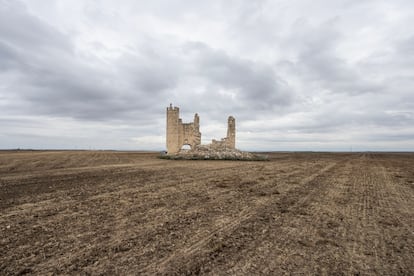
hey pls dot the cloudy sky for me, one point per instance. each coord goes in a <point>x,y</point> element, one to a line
<point>296,74</point>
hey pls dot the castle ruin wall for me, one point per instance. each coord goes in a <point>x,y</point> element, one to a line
<point>180,134</point>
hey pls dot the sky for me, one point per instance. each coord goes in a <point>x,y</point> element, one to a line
<point>297,75</point>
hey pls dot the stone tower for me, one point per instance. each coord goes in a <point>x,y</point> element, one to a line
<point>173,114</point>
<point>179,133</point>
<point>231,132</point>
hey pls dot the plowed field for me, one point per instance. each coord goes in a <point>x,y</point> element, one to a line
<point>103,212</point>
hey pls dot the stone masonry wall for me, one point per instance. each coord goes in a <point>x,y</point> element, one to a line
<point>180,134</point>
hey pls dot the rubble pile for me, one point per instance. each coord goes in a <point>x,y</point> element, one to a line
<point>211,152</point>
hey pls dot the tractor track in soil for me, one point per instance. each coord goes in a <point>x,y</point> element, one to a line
<point>224,229</point>
<point>90,212</point>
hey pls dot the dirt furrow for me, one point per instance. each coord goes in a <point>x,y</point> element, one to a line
<point>199,245</point>
<point>58,207</point>
<point>274,248</point>
<point>124,213</point>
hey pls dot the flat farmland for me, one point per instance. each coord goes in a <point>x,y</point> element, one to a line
<point>107,212</point>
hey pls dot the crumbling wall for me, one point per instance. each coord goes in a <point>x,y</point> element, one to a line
<point>179,133</point>
<point>229,141</point>
<point>231,132</point>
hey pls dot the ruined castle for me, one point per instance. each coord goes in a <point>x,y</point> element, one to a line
<point>180,134</point>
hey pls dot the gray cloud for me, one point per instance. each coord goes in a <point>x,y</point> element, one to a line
<point>303,74</point>
<point>237,83</point>
<point>52,79</point>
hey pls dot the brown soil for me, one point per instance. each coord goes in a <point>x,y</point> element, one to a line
<point>102,212</point>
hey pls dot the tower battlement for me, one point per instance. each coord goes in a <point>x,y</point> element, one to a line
<point>172,108</point>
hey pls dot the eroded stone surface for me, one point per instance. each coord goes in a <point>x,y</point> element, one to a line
<point>180,134</point>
